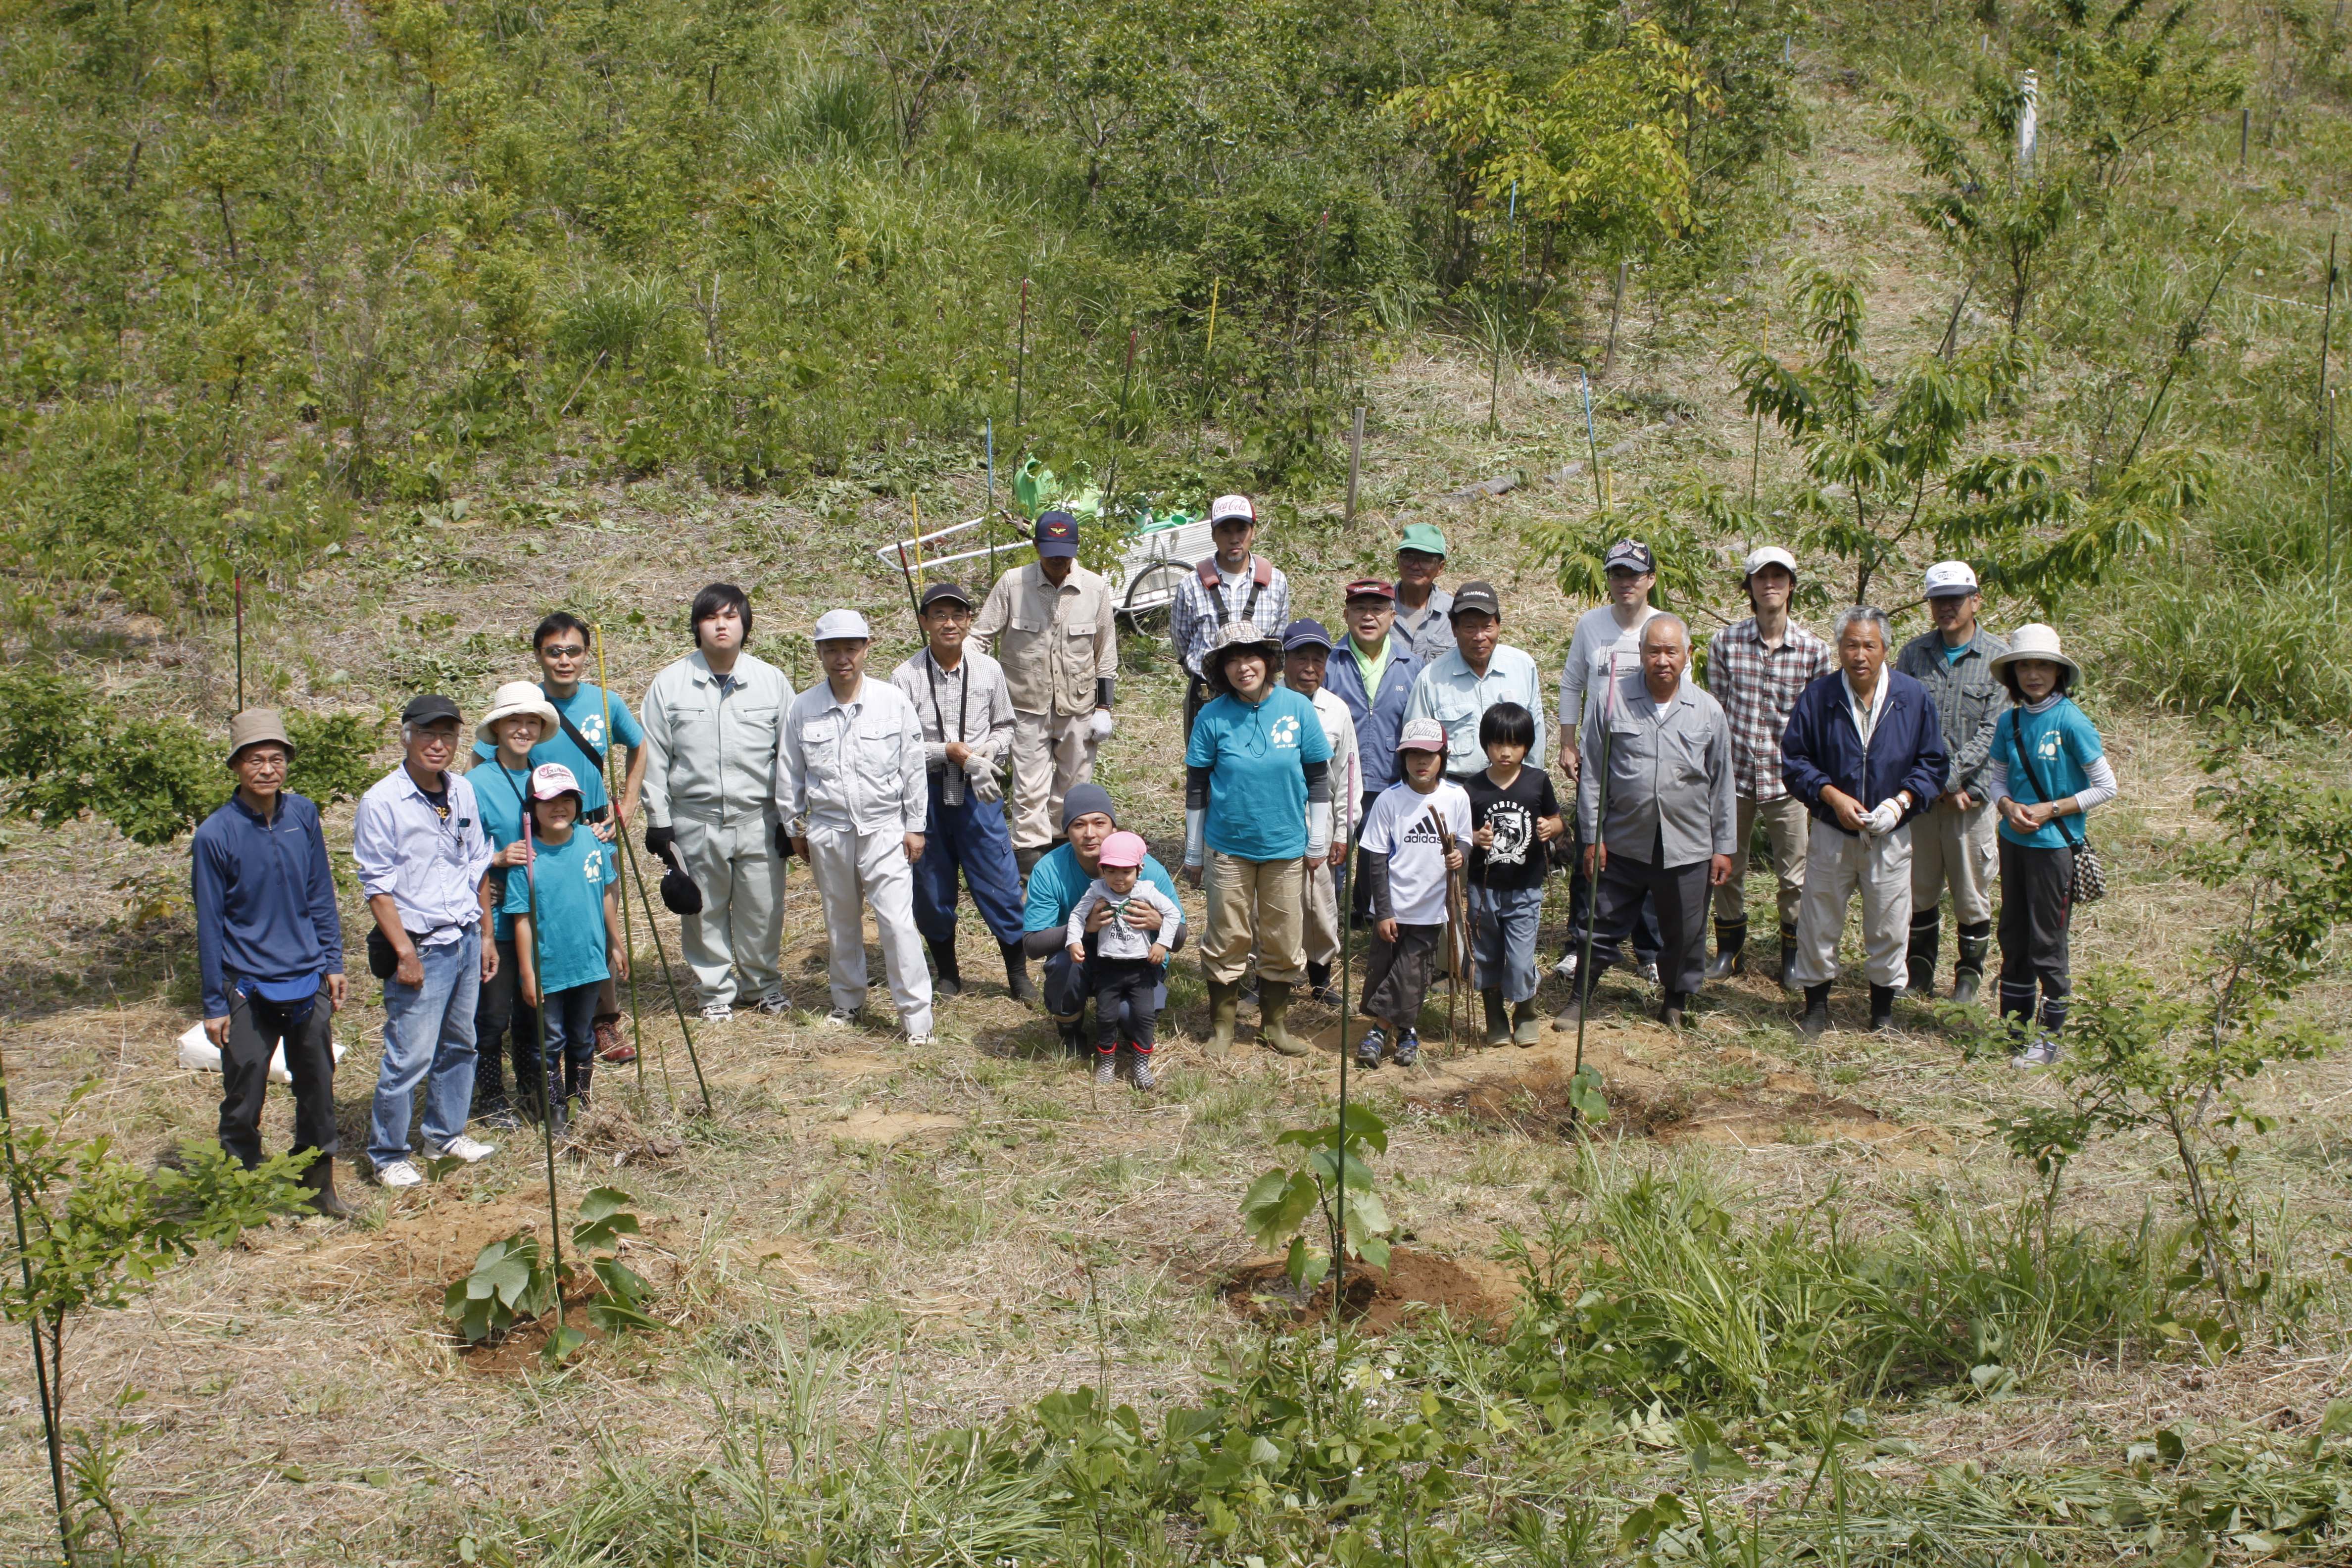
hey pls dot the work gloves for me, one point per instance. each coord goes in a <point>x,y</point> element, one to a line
<point>1100,724</point>
<point>659,839</point>
<point>1884,819</point>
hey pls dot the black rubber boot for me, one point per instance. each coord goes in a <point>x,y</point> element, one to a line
<point>318,1175</point>
<point>1016,972</point>
<point>1730,939</point>
<point>575,1084</point>
<point>1318,984</point>
<point>949,980</point>
<point>1816,1020</point>
<point>1968,978</point>
<point>1788,958</point>
<point>1670,1011</point>
<point>1882,1008</point>
<point>1926,938</point>
<point>1498,1019</point>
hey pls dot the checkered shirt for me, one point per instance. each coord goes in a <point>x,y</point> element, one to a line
<point>1194,620</point>
<point>1757,687</point>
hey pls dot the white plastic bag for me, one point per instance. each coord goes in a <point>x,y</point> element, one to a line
<point>198,1054</point>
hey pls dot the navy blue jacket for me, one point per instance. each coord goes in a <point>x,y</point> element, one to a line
<point>1821,748</point>
<point>1379,718</point>
<point>264,900</point>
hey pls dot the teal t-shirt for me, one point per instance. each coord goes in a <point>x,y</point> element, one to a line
<point>1057,882</point>
<point>2064,743</point>
<point>501,808</point>
<point>585,709</point>
<point>1255,754</point>
<point>571,878</point>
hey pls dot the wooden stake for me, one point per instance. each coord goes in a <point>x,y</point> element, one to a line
<point>2327,326</point>
<point>613,800</point>
<point>238,582</point>
<point>1616,307</point>
<point>32,1319</point>
<point>1020,360</point>
<point>1355,461</point>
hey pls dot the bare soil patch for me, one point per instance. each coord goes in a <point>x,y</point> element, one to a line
<point>1378,1300</point>
<point>889,1127</point>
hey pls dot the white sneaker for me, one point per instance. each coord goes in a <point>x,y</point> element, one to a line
<point>398,1175</point>
<point>716,1012</point>
<point>844,1016</point>
<point>1566,967</point>
<point>922,1039</point>
<point>460,1148</point>
<point>775,1006</point>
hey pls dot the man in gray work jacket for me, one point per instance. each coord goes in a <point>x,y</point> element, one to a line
<point>1953,842</point>
<point>711,723</point>
<point>1669,835</point>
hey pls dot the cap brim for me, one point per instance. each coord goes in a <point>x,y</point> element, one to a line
<point>1056,548</point>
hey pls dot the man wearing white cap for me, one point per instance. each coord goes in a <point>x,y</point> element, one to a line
<point>852,785</point>
<point>1232,585</point>
<point>1954,843</point>
<point>712,725</point>
<point>1054,627</point>
<point>1757,668</point>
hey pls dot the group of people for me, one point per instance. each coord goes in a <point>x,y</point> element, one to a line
<point>1412,735</point>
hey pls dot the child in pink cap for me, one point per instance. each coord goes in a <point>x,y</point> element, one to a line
<point>1126,962</point>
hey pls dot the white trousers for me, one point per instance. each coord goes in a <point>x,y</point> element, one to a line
<point>1050,754</point>
<point>1960,849</point>
<point>1837,865</point>
<point>856,872</point>
<point>741,923</point>
<point>1322,915</point>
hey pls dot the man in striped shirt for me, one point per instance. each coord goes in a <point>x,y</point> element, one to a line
<point>1757,668</point>
<point>1231,585</point>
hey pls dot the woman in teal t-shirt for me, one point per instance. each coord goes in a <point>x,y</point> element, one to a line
<point>1258,807</point>
<point>2048,766</point>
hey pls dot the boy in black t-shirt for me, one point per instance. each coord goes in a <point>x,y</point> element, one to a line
<point>1515,816</point>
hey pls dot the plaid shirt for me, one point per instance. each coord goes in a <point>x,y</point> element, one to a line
<point>1757,687</point>
<point>1194,616</point>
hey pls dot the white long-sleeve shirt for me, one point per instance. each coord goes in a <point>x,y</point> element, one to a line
<point>855,765</point>
<point>1346,764</point>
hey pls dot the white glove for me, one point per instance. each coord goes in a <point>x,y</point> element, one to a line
<point>981,778</point>
<point>1886,818</point>
<point>1099,725</point>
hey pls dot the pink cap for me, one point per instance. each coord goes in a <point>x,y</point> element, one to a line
<point>551,779</point>
<point>1123,850</point>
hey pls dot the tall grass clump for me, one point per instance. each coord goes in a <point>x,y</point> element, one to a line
<point>2274,649</point>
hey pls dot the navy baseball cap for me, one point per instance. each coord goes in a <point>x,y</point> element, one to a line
<point>1304,634</point>
<point>1057,534</point>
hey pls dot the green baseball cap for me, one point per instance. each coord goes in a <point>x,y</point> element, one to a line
<point>1425,537</point>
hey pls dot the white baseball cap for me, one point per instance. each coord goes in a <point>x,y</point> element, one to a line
<point>1765,555</point>
<point>551,779</point>
<point>1955,579</point>
<point>1226,506</point>
<point>841,626</point>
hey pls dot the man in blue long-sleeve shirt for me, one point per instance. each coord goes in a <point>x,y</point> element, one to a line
<point>270,947</point>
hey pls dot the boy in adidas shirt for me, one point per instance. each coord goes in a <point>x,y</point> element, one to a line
<point>1406,863</point>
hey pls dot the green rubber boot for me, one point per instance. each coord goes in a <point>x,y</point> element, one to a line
<point>1273,1012</point>
<point>1224,1001</point>
<point>1498,1019</point>
<point>1527,1029</point>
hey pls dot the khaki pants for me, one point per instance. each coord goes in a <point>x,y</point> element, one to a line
<point>741,923</point>
<point>1957,847</point>
<point>1050,754</point>
<point>856,872</point>
<point>1255,904</point>
<point>1322,915</point>
<point>1788,825</point>
<point>1836,866</point>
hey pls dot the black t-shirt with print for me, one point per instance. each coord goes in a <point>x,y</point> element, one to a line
<point>1518,858</point>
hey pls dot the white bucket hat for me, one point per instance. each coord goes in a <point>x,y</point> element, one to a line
<point>518,697</point>
<point>2033,640</point>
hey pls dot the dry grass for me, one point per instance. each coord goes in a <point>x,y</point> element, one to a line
<point>945,1213</point>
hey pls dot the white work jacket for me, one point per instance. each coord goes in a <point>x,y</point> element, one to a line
<point>857,765</point>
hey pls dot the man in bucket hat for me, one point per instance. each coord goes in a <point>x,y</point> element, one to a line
<point>1757,668</point>
<point>1054,626</point>
<point>1231,585</point>
<point>269,946</point>
<point>1952,842</point>
<point>424,858</point>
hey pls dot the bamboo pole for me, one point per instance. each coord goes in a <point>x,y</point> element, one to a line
<point>549,1074</point>
<point>613,800</point>
<point>661,951</point>
<point>1591,443</point>
<point>1020,360</point>
<point>33,1322</point>
<point>1355,461</point>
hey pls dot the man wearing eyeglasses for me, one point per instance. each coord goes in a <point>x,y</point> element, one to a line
<point>579,742</point>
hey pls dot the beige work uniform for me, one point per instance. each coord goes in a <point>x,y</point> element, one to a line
<point>1055,644</point>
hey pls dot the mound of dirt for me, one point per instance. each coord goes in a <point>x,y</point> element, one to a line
<point>1378,1300</point>
<point>1675,1088</point>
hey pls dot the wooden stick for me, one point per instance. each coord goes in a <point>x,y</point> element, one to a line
<point>1355,461</point>
<point>613,801</point>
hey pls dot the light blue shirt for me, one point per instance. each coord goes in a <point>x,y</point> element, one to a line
<point>431,868</point>
<point>1448,692</point>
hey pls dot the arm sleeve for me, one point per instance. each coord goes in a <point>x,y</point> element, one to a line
<point>1968,762</point>
<point>654,791</point>
<point>1723,800</point>
<point>373,848</point>
<point>1105,691</point>
<point>1318,781</point>
<point>324,916</point>
<point>1587,780</point>
<point>914,773</point>
<point>1000,724</point>
<point>208,891</point>
<point>480,852</point>
<point>2102,786</point>
<point>1417,703</point>
<point>790,786</point>
<point>1798,771</point>
<point>626,729</point>
<point>1376,886</point>
<point>1196,787</point>
<point>1926,779</point>
<point>1171,926</point>
<point>995,610</point>
<point>1074,930</point>
<point>1180,630</point>
<point>1536,710</point>
<point>1996,782</point>
<point>1106,646</point>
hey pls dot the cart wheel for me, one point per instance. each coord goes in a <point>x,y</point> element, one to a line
<point>1149,593</point>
